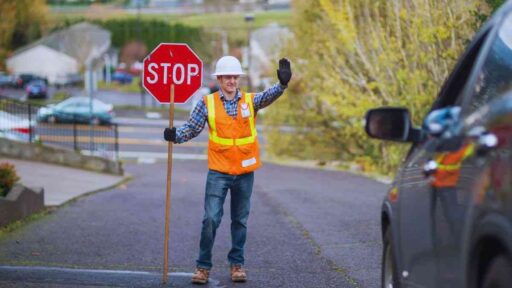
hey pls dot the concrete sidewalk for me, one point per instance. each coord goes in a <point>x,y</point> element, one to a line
<point>61,183</point>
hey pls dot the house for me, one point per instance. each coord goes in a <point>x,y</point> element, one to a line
<point>265,47</point>
<point>64,52</point>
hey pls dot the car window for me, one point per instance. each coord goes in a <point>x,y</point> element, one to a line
<point>495,77</point>
<point>451,92</point>
<point>69,101</point>
<point>100,105</point>
<point>36,82</point>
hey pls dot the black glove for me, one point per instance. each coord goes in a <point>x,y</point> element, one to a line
<point>284,73</point>
<point>170,134</point>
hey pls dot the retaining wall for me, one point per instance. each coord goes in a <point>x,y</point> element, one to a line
<point>60,156</point>
<point>19,203</point>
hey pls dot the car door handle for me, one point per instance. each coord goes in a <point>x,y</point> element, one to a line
<point>485,140</point>
<point>486,143</point>
<point>430,168</point>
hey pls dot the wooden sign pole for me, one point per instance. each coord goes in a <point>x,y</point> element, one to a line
<point>168,195</point>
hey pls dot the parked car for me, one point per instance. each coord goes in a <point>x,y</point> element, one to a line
<point>15,128</point>
<point>36,89</point>
<point>20,81</point>
<point>6,80</point>
<point>447,218</point>
<point>122,77</point>
<point>77,109</point>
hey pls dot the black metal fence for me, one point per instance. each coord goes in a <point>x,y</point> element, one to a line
<point>18,121</point>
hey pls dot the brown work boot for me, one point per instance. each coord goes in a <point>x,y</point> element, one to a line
<point>200,276</point>
<point>238,273</point>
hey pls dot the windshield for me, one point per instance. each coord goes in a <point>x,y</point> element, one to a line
<point>83,101</point>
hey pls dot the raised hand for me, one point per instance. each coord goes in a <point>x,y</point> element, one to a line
<point>284,73</point>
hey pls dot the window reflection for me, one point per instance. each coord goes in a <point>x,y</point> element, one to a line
<point>496,76</point>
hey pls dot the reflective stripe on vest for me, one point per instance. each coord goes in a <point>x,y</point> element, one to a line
<point>229,141</point>
<point>449,166</point>
<point>467,151</point>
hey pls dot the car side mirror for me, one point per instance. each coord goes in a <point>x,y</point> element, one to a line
<point>391,123</point>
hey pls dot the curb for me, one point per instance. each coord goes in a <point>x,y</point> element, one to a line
<point>48,210</point>
<point>127,178</point>
<point>304,164</point>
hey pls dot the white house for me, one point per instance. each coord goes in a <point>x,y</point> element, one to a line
<point>265,47</point>
<point>64,52</point>
<point>43,61</point>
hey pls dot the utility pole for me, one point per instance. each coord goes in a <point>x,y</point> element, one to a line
<point>89,87</point>
<point>142,92</point>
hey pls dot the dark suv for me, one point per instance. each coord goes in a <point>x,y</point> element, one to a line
<point>447,218</point>
<point>23,79</point>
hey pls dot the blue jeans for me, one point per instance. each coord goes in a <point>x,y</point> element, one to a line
<point>217,185</point>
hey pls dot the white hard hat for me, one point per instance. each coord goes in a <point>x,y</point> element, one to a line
<point>228,65</point>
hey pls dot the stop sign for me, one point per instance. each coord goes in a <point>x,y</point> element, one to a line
<point>172,64</point>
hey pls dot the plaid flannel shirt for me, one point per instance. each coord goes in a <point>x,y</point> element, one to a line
<point>199,115</point>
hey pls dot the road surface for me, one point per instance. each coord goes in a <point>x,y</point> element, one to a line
<point>308,228</point>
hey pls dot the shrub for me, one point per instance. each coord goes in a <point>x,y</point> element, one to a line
<point>353,55</point>
<point>8,177</point>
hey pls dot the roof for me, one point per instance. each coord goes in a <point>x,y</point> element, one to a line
<point>77,41</point>
<point>271,38</point>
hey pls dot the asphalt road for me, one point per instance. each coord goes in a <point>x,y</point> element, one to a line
<point>308,228</point>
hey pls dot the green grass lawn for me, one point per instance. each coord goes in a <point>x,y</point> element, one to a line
<point>230,21</point>
<point>233,23</point>
<point>212,21</point>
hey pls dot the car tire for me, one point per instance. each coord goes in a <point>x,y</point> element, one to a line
<point>389,271</point>
<point>52,119</point>
<point>499,273</point>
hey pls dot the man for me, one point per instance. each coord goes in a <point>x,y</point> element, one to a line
<point>233,155</point>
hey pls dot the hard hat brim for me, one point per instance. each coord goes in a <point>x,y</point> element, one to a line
<point>228,73</point>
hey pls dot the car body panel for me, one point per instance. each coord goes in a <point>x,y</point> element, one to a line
<point>36,89</point>
<point>6,80</point>
<point>441,229</point>
<point>76,109</point>
<point>21,80</point>
<point>122,77</point>
<point>14,127</point>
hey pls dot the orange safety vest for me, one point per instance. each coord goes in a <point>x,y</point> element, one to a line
<point>233,143</point>
<point>449,165</point>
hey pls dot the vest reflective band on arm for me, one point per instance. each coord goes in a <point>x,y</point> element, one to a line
<point>457,162</point>
<point>229,141</point>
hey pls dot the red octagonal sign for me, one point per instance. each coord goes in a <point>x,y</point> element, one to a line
<point>172,64</point>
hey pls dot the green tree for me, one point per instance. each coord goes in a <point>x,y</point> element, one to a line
<point>152,32</point>
<point>352,55</point>
<point>494,4</point>
<point>22,22</point>
<point>482,14</point>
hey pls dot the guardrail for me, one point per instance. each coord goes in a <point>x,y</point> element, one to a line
<point>18,122</point>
